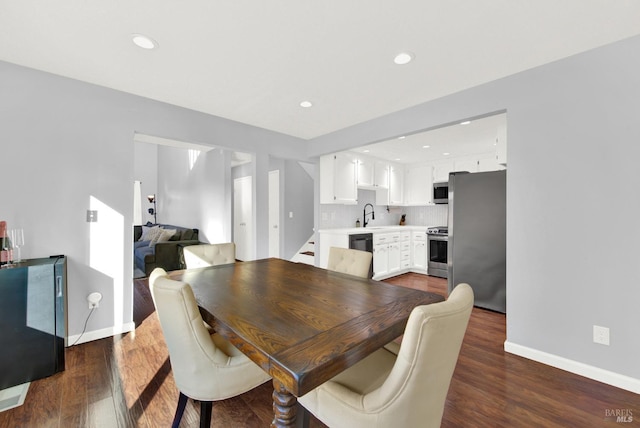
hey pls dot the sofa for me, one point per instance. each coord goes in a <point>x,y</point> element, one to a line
<point>160,245</point>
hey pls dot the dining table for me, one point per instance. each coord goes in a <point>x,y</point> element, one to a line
<point>300,323</point>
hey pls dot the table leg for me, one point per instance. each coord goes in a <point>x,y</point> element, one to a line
<point>284,406</point>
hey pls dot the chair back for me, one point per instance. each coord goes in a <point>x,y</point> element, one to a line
<point>196,361</point>
<point>350,261</point>
<point>203,255</point>
<point>419,380</point>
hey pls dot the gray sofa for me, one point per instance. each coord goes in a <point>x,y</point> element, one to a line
<point>164,254</point>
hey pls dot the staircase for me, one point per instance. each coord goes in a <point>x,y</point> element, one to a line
<point>306,253</point>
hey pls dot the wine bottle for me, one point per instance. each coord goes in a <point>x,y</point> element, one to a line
<point>5,245</point>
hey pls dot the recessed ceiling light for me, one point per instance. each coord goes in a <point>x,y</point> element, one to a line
<point>365,151</point>
<point>306,104</point>
<point>403,58</point>
<point>446,153</point>
<point>402,137</point>
<point>397,159</point>
<point>425,147</point>
<point>466,122</point>
<point>143,41</point>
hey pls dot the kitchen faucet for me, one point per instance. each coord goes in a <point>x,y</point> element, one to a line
<point>364,214</point>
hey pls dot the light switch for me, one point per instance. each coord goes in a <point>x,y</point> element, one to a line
<point>290,214</point>
<point>92,216</point>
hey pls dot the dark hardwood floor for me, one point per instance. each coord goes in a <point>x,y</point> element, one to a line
<point>126,381</point>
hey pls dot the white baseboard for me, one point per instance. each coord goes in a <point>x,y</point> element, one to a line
<point>88,336</point>
<point>595,373</point>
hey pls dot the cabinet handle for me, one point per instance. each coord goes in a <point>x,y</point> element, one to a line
<point>59,286</point>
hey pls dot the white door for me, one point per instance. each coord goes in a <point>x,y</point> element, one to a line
<point>243,218</point>
<point>274,213</point>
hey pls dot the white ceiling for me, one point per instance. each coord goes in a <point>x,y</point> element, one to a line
<point>255,61</point>
<point>458,140</point>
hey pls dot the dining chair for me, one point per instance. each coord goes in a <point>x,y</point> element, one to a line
<point>403,386</point>
<point>203,255</point>
<point>205,366</point>
<point>350,261</point>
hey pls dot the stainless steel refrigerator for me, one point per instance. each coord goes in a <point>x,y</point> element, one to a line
<point>477,236</point>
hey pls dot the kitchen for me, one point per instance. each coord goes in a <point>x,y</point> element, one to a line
<point>405,181</point>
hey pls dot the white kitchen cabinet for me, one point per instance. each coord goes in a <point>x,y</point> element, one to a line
<point>381,175</point>
<point>394,257</point>
<point>489,164</point>
<point>419,185</point>
<point>405,252</point>
<point>366,167</point>
<point>465,164</point>
<point>380,260</point>
<point>391,254</point>
<point>441,171</point>
<point>419,251</point>
<point>396,184</point>
<point>381,254</point>
<point>395,194</point>
<point>338,179</point>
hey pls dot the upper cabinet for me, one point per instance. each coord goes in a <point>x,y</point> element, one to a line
<point>381,175</point>
<point>366,167</point>
<point>394,194</point>
<point>441,170</point>
<point>338,179</point>
<point>418,189</point>
<point>372,174</point>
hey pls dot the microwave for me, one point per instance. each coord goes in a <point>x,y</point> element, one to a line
<point>441,193</point>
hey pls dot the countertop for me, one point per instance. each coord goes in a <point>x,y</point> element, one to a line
<point>374,229</point>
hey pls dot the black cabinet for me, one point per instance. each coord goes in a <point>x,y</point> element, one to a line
<point>32,320</point>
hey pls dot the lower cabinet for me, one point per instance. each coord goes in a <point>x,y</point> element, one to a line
<point>394,251</point>
<point>419,251</point>
<point>391,254</point>
<point>380,260</point>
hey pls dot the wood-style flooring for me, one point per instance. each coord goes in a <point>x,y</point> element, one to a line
<point>126,381</point>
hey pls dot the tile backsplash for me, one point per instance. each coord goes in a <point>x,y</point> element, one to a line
<point>335,216</point>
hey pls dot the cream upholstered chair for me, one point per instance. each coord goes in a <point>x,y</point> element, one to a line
<point>205,366</point>
<point>203,255</point>
<point>352,262</point>
<point>405,387</point>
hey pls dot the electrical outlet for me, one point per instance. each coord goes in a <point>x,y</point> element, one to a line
<point>601,335</point>
<point>94,300</point>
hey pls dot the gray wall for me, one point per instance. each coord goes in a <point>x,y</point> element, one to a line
<point>573,199</point>
<point>194,190</point>
<point>298,199</point>
<point>71,148</point>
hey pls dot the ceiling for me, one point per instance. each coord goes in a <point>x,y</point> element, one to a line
<point>255,61</point>
<point>475,137</point>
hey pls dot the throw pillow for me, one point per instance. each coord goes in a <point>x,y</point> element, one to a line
<point>165,235</point>
<point>148,232</point>
<point>153,235</point>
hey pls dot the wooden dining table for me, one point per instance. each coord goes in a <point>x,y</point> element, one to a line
<point>301,324</point>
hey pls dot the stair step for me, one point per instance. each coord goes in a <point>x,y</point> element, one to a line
<point>308,253</point>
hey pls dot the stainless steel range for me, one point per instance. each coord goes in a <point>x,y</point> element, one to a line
<point>437,238</point>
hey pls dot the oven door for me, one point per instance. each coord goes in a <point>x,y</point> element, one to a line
<point>437,264</point>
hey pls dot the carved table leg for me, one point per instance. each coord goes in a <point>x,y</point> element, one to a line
<point>284,406</point>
